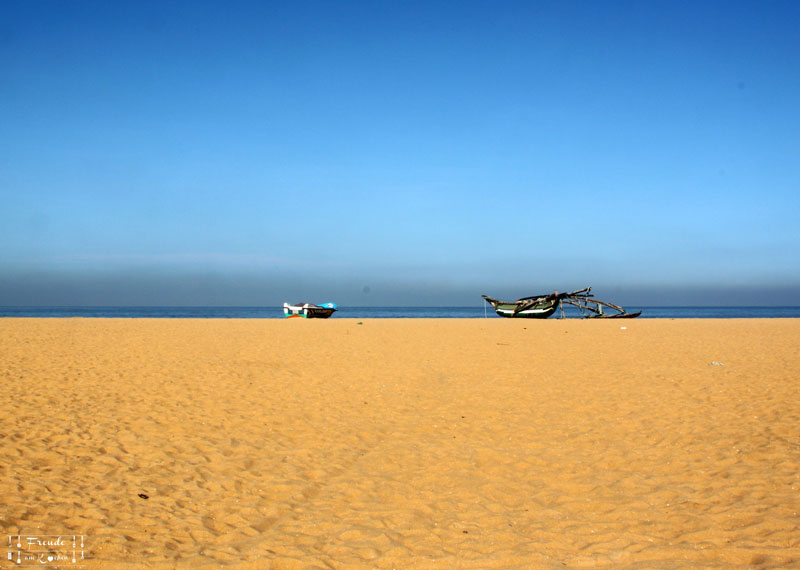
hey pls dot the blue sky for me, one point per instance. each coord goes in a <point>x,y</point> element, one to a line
<point>398,153</point>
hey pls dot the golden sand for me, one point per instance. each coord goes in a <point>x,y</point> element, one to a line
<point>441,444</point>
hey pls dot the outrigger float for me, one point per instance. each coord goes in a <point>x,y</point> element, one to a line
<point>542,306</point>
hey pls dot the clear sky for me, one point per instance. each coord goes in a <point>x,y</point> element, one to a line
<point>398,153</point>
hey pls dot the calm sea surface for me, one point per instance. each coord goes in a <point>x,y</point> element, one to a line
<point>380,312</point>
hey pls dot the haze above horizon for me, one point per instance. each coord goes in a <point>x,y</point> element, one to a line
<point>387,153</point>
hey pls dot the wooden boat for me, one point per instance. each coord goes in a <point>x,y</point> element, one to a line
<point>542,306</point>
<point>309,310</point>
<point>533,307</point>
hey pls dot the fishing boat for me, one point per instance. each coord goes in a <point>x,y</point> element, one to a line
<point>533,307</point>
<point>309,310</point>
<point>542,306</point>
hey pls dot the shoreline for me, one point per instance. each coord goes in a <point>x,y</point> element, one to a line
<point>473,312</point>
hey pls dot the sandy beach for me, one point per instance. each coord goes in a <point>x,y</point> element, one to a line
<point>409,444</point>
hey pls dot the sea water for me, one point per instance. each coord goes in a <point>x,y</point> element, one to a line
<point>475,312</point>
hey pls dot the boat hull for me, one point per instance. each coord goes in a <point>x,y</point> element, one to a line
<point>307,311</point>
<point>524,310</point>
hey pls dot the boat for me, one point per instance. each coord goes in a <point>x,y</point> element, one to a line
<point>533,307</point>
<point>309,310</point>
<point>543,306</point>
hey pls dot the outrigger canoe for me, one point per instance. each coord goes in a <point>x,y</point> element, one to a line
<point>542,306</point>
<point>533,307</point>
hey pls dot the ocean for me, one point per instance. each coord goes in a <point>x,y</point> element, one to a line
<point>276,312</point>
